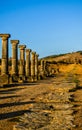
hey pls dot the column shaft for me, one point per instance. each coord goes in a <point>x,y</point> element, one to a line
<point>42,65</point>
<point>22,61</point>
<point>14,57</point>
<point>42,69</point>
<point>4,65</point>
<point>36,66</point>
<point>28,62</point>
<point>33,66</point>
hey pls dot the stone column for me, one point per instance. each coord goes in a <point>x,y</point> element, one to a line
<point>14,56</point>
<point>28,64</point>
<point>45,68</point>
<point>22,62</point>
<point>33,66</point>
<point>4,66</point>
<point>42,69</point>
<point>36,67</point>
<point>44,65</point>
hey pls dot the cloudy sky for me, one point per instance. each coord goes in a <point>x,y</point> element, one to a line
<point>45,26</point>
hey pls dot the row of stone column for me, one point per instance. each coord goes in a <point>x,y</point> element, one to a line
<point>27,68</point>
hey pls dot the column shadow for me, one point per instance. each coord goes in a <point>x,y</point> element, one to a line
<point>6,97</point>
<point>9,91</point>
<point>13,114</point>
<point>15,104</point>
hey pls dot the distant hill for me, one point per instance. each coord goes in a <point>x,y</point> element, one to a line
<point>74,57</point>
<point>69,63</point>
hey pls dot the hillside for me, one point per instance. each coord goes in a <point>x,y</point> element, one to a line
<point>64,63</point>
<point>73,57</point>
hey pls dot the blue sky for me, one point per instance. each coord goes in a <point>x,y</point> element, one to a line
<point>45,26</point>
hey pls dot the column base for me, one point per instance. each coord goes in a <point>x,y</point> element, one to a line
<point>40,77</point>
<point>13,78</point>
<point>36,78</point>
<point>21,79</point>
<point>32,78</point>
<point>4,79</point>
<point>28,79</point>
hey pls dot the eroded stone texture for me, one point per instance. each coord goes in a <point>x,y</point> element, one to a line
<point>4,64</point>
<point>45,68</point>
<point>14,59</point>
<point>22,62</point>
<point>36,67</point>
<point>42,69</point>
<point>28,64</point>
<point>33,66</point>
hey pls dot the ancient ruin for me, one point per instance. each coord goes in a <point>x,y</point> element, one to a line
<point>14,59</point>
<point>4,77</point>
<point>23,69</point>
<point>33,66</point>
<point>36,67</point>
<point>54,103</point>
<point>42,69</point>
<point>22,62</point>
<point>4,68</point>
<point>28,58</point>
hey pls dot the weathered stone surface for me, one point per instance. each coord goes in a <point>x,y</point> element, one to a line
<point>14,56</point>
<point>43,72</point>
<point>36,67</point>
<point>4,65</point>
<point>33,66</point>
<point>22,63</point>
<point>28,69</point>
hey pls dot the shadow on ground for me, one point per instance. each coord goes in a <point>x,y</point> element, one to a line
<point>12,114</point>
<point>15,104</point>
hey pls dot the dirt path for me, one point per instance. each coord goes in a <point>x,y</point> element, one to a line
<point>48,104</point>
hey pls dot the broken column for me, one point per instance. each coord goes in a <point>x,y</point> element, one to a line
<point>33,66</point>
<point>36,67</point>
<point>4,63</point>
<point>22,63</point>
<point>14,59</point>
<point>28,64</point>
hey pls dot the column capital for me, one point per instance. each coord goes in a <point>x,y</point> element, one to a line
<point>28,50</point>
<point>42,59</point>
<point>33,52</point>
<point>22,47</point>
<point>14,41</point>
<point>5,36</point>
<point>37,55</point>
